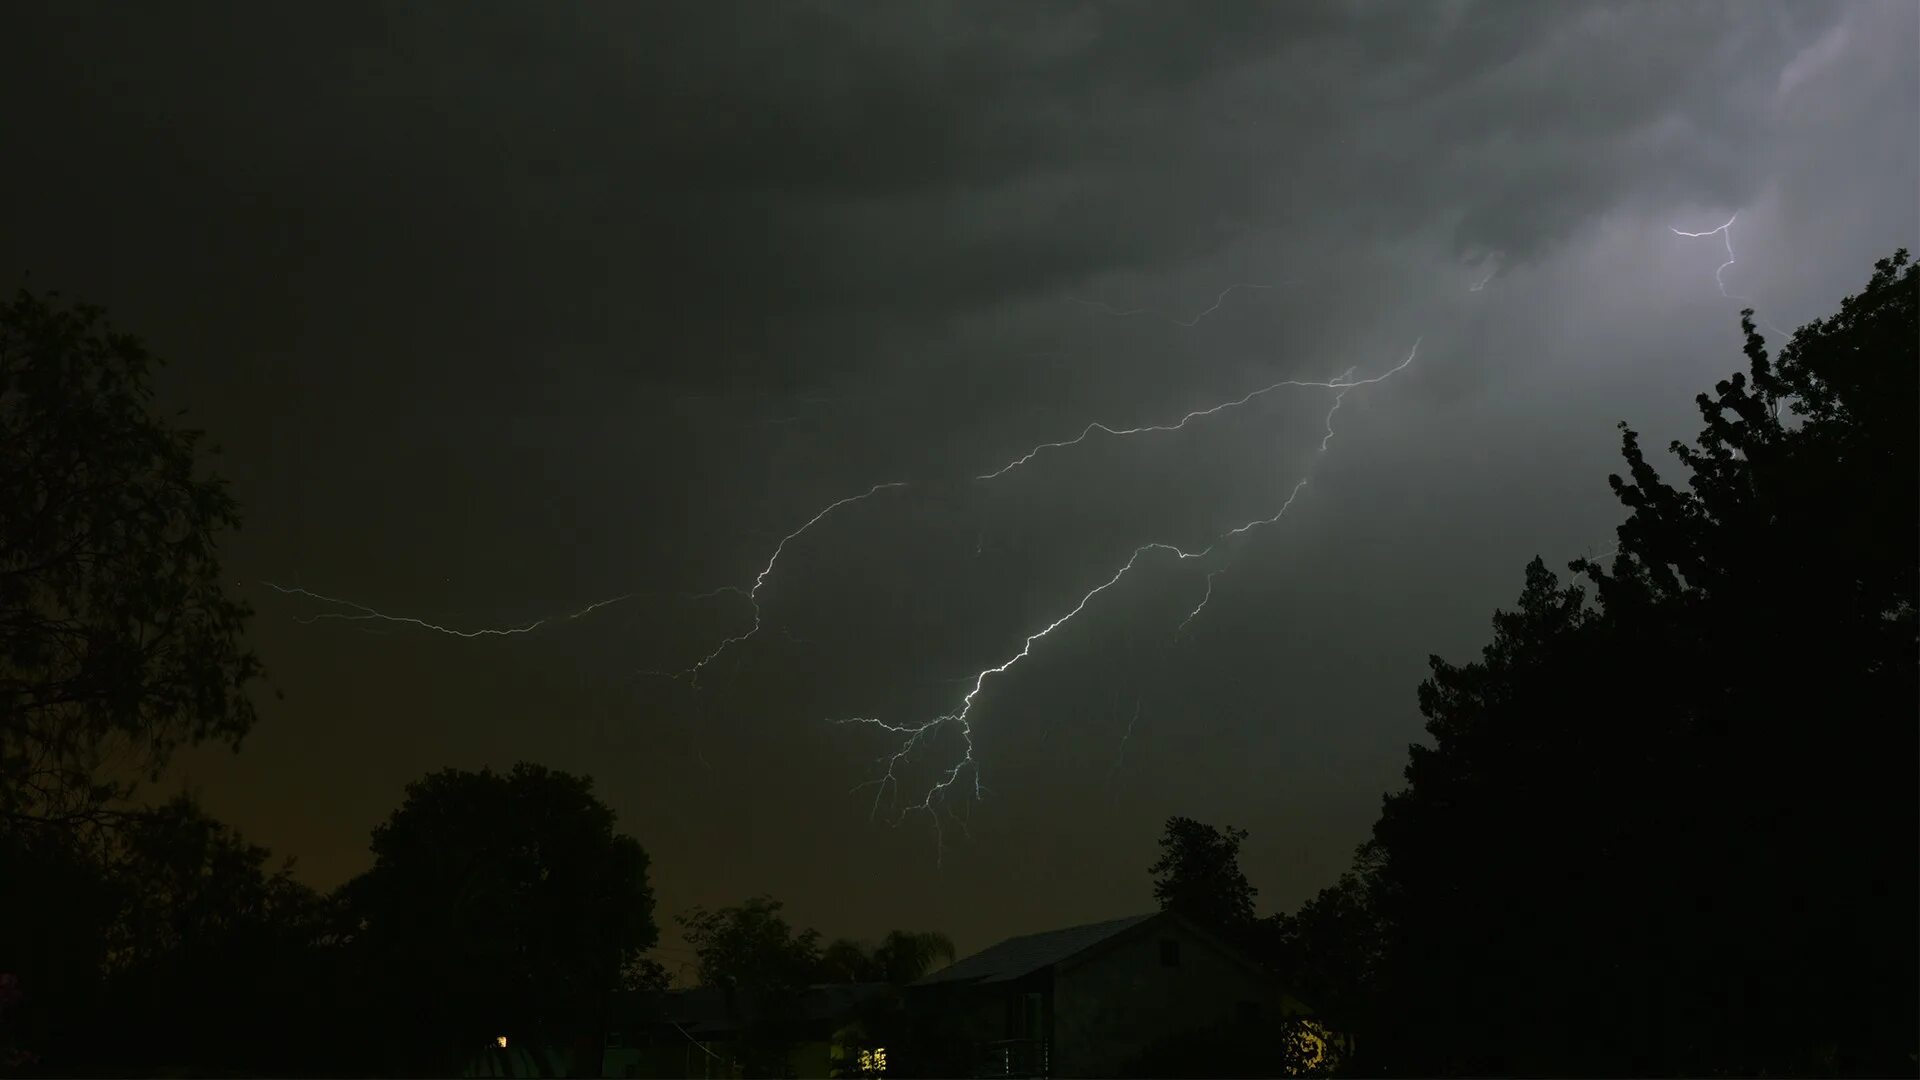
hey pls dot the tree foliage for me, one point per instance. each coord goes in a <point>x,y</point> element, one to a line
<point>1198,875</point>
<point>117,643</point>
<point>750,949</point>
<point>901,957</point>
<point>497,904</point>
<point>1670,827</point>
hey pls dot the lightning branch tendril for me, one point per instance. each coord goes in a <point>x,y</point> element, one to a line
<point>1725,233</point>
<point>1188,323</point>
<point>1341,384</point>
<point>363,613</point>
<point>752,593</point>
<point>1325,441</point>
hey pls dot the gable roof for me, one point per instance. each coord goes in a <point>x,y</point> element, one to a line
<point>1024,955</point>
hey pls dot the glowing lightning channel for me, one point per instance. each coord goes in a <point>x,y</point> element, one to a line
<point>1120,753</point>
<point>753,593</point>
<point>1341,384</point>
<point>1201,606</point>
<point>1189,323</point>
<point>1727,236</point>
<point>363,613</point>
<point>1325,441</point>
<point>913,735</point>
<point>1719,274</point>
<point>962,718</point>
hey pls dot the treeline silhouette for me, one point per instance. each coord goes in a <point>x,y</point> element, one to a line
<point>1665,825</point>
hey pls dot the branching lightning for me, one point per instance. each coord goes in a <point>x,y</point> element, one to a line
<point>363,613</point>
<point>1725,234</point>
<point>1189,323</point>
<point>1341,384</point>
<point>752,593</point>
<point>1325,441</point>
<point>914,735</point>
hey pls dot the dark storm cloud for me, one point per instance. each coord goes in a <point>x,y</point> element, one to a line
<point>504,308</point>
<point>733,180</point>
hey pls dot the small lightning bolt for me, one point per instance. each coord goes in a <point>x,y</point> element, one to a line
<point>1120,754</point>
<point>1201,606</point>
<point>363,613</point>
<point>1725,233</point>
<point>1195,321</point>
<point>1482,283</point>
<point>1341,384</point>
<point>912,736</point>
<point>753,593</point>
<point>1718,274</point>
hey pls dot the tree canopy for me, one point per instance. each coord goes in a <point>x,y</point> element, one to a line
<point>117,641</point>
<point>1198,875</point>
<point>900,957</point>
<point>1670,826</point>
<point>498,904</point>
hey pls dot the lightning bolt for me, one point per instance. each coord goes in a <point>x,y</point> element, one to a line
<point>752,593</point>
<point>1120,753</point>
<point>1325,441</point>
<point>913,736</point>
<point>1341,384</point>
<point>1201,606</point>
<point>1189,323</point>
<point>363,613</point>
<point>1726,235</point>
<point>1482,283</point>
<point>1725,232</point>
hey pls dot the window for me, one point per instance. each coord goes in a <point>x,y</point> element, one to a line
<point>1025,1017</point>
<point>1169,952</point>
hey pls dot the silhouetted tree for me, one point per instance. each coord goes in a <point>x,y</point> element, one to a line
<point>213,961</point>
<point>1329,952</point>
<point>1198,875</point>
<point>751,949</point>
<point>900,958</point>
<point>117,643</point>
<point>762,963</point>
<point>55,907</point>
<point>1672,830</point>
<point>497,905</point>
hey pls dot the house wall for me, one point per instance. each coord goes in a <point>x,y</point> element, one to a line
<point>1119,1000</point>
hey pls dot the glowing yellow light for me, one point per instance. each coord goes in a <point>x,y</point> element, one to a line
<point>874,1060</point>
<point>502,1040</point>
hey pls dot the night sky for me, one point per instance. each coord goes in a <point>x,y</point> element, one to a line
<point>499,310</point>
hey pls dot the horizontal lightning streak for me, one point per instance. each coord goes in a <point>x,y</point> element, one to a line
<point>1341,384</point>
<point>367,614</point>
